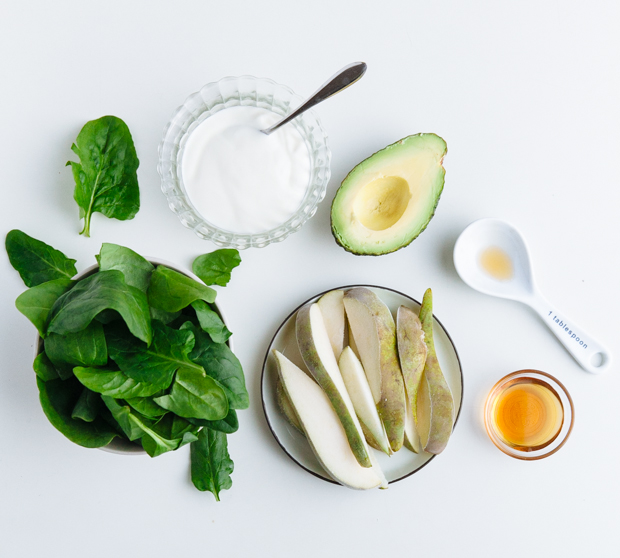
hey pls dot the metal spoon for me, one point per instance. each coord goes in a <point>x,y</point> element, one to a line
<point>339,81</point>
<point>495,233</point>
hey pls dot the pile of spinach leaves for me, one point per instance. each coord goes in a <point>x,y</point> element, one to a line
<point>134,351</point>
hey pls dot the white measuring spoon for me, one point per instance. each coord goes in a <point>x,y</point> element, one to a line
<point>495,233</point>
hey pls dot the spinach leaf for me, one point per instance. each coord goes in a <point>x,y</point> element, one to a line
<point>133,425</point>
<point>220,363</point>
<point>146,406</point>
<point>136,427</point>
<point>107,316</point>
<point>174,430</point>
<point>75,309</point>
<point>87,406</point>
<point>44,368</point>
<point>229,424</point>
<point>172,291</point>
<point>105,178</point>
<point>136,270</point>
<point>114,383</point>
<point>215,268</point>
<point>157,363</point>
<point>36,261</point>
<point>82,348</point>
<point>58,399</point>
<point>163,317</point>
<point>36,302</point>
<point>211,322</point>
<point>211,464</point>
<point>195,395</point>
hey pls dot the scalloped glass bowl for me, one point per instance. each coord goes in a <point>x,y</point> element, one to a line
<point>230,92</point>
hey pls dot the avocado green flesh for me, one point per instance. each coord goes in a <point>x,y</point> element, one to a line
<point>387,200</point>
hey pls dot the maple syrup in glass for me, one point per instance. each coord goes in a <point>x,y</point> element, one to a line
<point>529,414</point>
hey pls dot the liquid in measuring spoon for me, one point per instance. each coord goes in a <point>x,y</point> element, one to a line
<point>240,179</point>
<point>528,414</point>
<point>497,263</point>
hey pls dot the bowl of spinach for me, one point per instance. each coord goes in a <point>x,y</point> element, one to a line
<point>133,355</point>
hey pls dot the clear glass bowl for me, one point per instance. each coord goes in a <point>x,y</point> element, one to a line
<point>550,383</point>
<point>231,92</point>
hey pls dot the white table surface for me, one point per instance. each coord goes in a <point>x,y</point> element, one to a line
<point>526,95</point>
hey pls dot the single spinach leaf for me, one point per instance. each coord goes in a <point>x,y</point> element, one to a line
<point>146,406</point>
<point>229,424</point>
<point>136,427</point>
<point>211,322</point>
<point>215,268</point>
<point>211,464</point>
<point>175,430</point>
<point>172,291</point>
<point>58,399</point>
<point>136,270</point>
<point>220,363</point>
<point>163,317</point>
<point>87,406</point>
<point>157,363</point>
<point>114,383</point>
<point>82,348</point>
<point>44,368</point>
<point>74,310</point>
<point>107,316</point>
<point>35,261</point>
<point>36,303</point>
<point>105,178</point>
<point>195,395</point>
<point>133,425</point>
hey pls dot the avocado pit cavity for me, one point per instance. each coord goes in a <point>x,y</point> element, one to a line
<point>382,202</point>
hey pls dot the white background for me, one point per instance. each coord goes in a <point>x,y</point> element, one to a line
<point>526,95</point>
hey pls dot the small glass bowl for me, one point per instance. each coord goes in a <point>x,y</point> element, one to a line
<point>545,450</point>
<point>231,92</point>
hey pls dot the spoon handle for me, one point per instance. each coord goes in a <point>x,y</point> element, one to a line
<point>339,81</point>
<point>589,353</point>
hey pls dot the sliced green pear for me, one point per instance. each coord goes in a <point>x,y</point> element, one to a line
<point>351,340</point>
<point>285,405</point>
<point>323,429</point>
<point>377,468</point>
<point>412,356</point>
<point>412,438</point>
<point>435,405</point>
<point>374,332</point>
<point>357,385</point>
<point>318,356</point>
<point>332,309</point>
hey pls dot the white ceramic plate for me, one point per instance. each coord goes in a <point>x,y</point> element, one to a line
<point>401,464</point>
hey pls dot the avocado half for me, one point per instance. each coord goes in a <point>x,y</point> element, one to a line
<point>387,200</point>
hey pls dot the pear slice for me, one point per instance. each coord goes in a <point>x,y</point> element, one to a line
<point>412,438</point>
<point>377,468</point>
<point>363,402</point>
<point>374,332</point>
<point>285,406</point>
<point>332,309</point>
<point>351,340</point>
<point>412,356</point>
<point>323,429</point>
<point>318,356</point>
<point>435,405</point>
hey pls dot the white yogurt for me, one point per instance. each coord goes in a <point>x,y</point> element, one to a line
<point>240,179</point>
